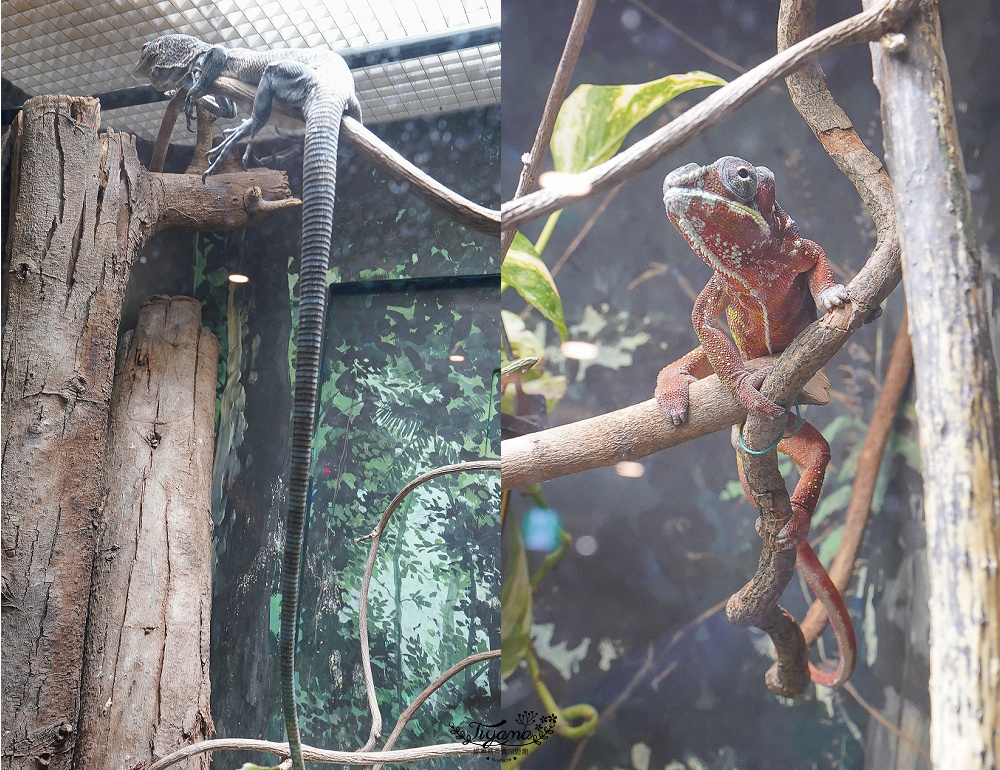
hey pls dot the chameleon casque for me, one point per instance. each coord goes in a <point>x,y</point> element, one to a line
<point>769,281</point>
<point>320,83</point>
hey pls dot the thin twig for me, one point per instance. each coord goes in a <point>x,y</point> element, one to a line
<point>405,717</point>
<point>571,51</point>
<point>584,230</point>
<point>874,714</point>
<point>324,755</point>
<point>663,21</point>
<point>376,536</point>
<point>578,239</point>
<point>864,27</point>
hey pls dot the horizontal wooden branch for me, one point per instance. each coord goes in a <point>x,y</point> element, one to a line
<point>628,434</point>
<point>322,755</point>
<point>436,195</point>
<point>222,202</point>
<point>864,27</point>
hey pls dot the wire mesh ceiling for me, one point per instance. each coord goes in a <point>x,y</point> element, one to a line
<point>81,47</point>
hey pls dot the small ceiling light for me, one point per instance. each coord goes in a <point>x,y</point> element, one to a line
<point>238,278</point>
<point>630,470</point>
<point>581,351</point>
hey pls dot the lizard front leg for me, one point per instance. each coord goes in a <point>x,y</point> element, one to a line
<point>288,82</point>
<point>725,357</point>
<point>205,68</point>
<point>674,381</point>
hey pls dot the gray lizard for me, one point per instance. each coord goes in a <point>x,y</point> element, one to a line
<point>320,84</point>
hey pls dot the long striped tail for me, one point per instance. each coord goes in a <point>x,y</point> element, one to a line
<point>323,113</point>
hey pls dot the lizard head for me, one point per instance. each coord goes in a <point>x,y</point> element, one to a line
<point>166,60</point>
<point>726,211</point>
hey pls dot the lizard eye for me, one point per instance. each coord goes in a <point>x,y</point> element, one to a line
<point>740,178</point>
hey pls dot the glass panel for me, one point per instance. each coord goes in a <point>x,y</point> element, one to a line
<point>409,386</point>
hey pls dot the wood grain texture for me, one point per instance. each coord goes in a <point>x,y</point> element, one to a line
<point>958,410</point>
<point>145,690</point>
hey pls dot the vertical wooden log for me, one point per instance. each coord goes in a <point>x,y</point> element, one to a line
<point>145,690</point>
<point>956,381</point>
<point>76,224</point>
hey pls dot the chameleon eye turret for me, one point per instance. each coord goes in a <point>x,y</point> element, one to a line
<point>739,178</point>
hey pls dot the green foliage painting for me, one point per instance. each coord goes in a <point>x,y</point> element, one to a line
<point>408,387</point>
<point>409,383</point>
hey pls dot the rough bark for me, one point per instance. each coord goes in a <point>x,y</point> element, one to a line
<point>145,690</point>
<point>81,208</point>
<point>630,433</point>
<point>956,382</point>
<point>80,212</point>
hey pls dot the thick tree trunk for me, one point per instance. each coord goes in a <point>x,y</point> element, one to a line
<point>145,690</point>
<point>76,224</point>
<point>81,208</point>
<point>957,404</point>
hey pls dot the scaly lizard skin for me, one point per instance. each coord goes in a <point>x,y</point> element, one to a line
<point>769,280</point>
<point>320,83</point>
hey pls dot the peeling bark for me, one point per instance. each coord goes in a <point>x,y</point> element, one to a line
<point>145,690</point>
<point>958,410</point>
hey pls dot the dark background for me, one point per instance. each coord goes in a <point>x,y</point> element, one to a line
<point>668,547</point>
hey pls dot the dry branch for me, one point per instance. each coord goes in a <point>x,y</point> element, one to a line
<point>323,755</point>
<point>864,27</point>
<point>440,198</point>
<point>79,214</point>
<point>145,689</point>
<point>813,347</point>
<point>628,434</point>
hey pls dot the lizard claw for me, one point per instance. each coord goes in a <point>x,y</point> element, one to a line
<point>746,390</point>
<point>672,394</point>
<point>795,531</point>
<point>831,297</point>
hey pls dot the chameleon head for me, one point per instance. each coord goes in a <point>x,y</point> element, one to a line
<point>725,211</point>
<point>166,60</point>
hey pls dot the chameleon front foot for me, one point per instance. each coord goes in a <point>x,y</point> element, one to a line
<point>746,389</point>
<point>672,394</point>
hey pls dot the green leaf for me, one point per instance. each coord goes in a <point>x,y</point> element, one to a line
<point>515,602</point>
<point>830,545</point>
<point>594,120</point>
<point>909,449</point>
<point>733,491</point>
<point>835,501</point>
<point>525,271</point>
<point>523,342</point>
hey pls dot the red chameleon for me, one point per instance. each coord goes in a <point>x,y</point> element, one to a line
<point>769,281</point>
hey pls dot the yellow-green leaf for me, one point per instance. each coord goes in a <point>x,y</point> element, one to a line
<point>594,120</point>
<point>515,602</point>
<point>524,270</point>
